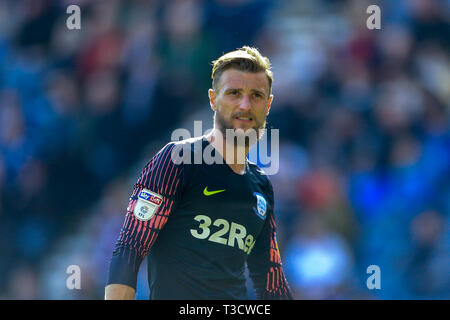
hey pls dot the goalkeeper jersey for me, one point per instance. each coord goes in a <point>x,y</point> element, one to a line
<point>200,225</point>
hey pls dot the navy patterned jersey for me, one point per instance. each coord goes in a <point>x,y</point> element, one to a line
<point>199,226</point>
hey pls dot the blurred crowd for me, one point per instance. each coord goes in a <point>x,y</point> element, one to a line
<point>364,164</point>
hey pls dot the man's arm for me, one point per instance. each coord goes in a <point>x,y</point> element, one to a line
<point>160,180</point>
<point>119,292</point>
<point>264,262</point>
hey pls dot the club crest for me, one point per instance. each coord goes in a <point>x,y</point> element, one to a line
<point>261,205</point>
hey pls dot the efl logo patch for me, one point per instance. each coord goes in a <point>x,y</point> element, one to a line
<point>147,204</point>
<point>261,205</point>
<point>150,196</point>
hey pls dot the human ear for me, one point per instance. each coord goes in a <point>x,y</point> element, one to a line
<point>212,99</point>
<point>269,104</point>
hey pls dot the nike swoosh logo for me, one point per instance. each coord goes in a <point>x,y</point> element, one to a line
<point>209,193</point>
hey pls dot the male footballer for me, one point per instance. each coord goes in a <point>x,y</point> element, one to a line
<point>201,224</point>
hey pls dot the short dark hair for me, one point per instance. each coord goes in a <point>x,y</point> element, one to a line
<point>243,59</point>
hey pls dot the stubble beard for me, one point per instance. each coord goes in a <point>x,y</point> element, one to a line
<point>223,125</point>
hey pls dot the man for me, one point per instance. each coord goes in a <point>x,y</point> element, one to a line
<point>200,224</point>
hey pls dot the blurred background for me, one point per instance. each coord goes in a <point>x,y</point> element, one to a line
<point>363,115</point>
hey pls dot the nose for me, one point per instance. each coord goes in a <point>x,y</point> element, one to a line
<point>245,103</point>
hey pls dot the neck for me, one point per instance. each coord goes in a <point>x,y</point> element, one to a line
<point>234,155</point>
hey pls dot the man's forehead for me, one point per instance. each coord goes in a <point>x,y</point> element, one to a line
<point>232,78</point>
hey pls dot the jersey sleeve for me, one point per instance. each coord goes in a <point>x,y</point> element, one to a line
<point>161,179</point>
<point>264,262</point>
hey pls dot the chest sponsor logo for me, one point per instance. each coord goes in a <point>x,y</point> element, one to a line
<point>223,232</point>
<point>147,204</point>
<point>261,205</point>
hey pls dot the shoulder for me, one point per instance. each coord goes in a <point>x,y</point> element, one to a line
<point>188,142</point>
<point>172,154</point>
<point>191,145</point>
<point>183,147</point>
<point>261,175</point>
<point>255,169</point>
<point>182,150</point>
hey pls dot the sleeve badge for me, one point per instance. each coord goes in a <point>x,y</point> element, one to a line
<point>147,204</point>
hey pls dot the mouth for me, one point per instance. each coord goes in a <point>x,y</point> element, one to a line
<point>243,119</point>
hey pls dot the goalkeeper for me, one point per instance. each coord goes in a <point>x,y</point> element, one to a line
<point>201,225</point>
